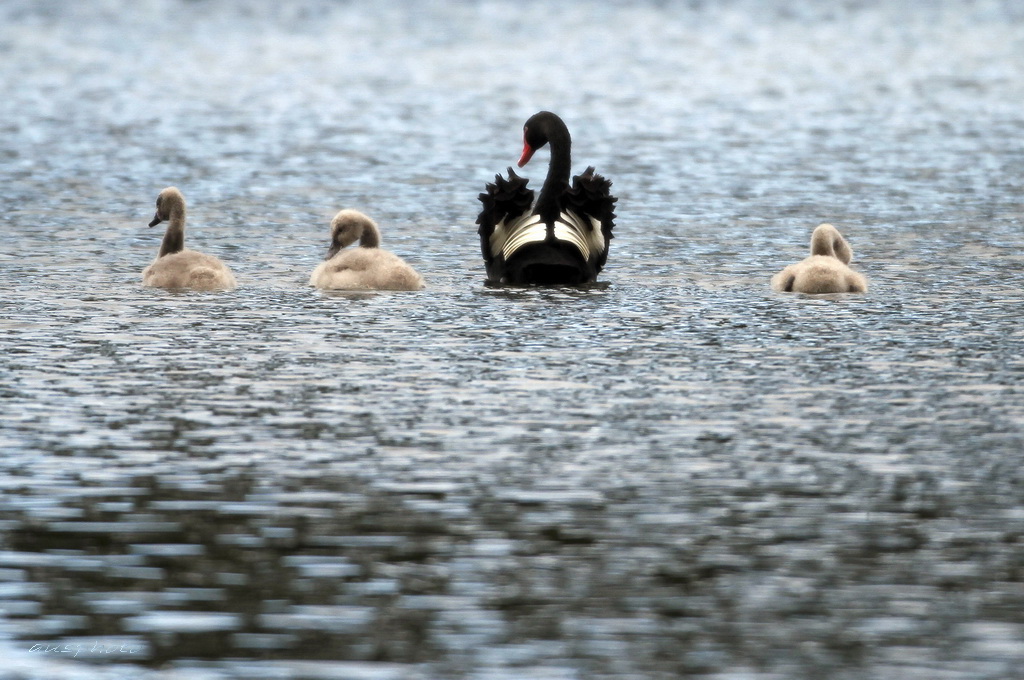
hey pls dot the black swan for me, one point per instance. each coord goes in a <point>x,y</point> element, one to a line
<point>367,267</point>
<point>826,270</point>
<point>565,238</point>
<point>176,266</point>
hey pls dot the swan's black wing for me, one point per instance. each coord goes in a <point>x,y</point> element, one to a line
<point>590,194</point>
<point>503,200</point>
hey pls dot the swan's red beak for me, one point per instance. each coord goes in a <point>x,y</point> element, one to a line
<point>527,154</point>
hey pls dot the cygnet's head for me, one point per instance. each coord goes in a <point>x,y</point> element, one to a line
<point>826,240</point>
<point>348,226</point>
<point>170,203</point>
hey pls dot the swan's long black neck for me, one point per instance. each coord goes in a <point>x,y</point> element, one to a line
<point>549,203</point>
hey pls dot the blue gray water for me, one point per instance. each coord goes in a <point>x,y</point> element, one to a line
<point>674,473</point>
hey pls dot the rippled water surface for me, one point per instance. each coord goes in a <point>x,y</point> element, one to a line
<point>673,473</point>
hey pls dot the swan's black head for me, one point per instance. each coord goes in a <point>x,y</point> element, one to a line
<point>540,129</point>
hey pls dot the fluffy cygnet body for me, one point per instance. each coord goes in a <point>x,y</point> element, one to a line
<point>176,266</point>
<point>366,267</point>
<point>826,270</point>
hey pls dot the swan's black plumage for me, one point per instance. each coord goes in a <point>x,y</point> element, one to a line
<point>506,199</point>
<point>565,238</point>
<point>590,194</point>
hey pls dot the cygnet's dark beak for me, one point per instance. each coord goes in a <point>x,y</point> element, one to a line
<point>156,220</point>
<point>332,251</point>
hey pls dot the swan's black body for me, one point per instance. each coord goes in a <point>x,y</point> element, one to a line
<point>565,238</point>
